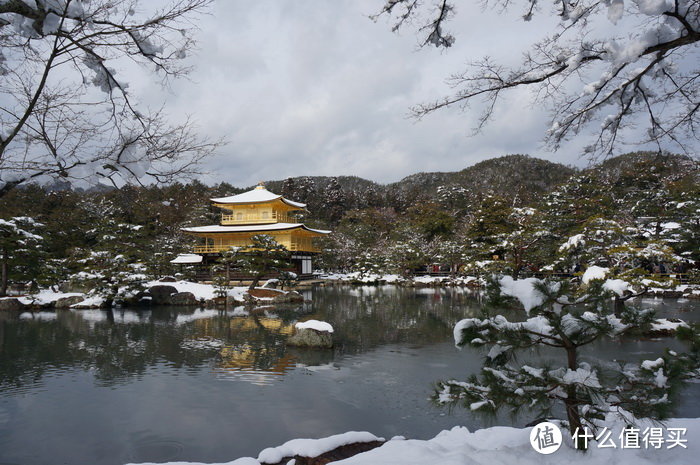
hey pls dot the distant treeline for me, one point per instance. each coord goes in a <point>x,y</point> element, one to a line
<point>517,209</point>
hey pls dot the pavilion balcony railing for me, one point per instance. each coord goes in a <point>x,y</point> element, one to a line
<point>293,247</point>
<point>303,247</point>
<point>254,218</point>
<point>210,248</point>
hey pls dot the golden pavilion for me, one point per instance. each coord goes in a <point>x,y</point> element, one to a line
<point>245,215</point>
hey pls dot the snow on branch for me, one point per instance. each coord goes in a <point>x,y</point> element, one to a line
<point>59,126</point>
<point>591,82</point>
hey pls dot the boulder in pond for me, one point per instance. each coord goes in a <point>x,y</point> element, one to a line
<point>11,304</point>
<point>67,302</point>
<point>289,297</point>
<point>312,333</point>
<point>162,294</point>
<point>183,298</point>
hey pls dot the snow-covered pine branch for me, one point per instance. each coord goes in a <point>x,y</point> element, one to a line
<point>592,75</point>
<point>19,249</point>
<point>587,393</point>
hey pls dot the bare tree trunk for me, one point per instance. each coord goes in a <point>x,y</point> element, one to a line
<point>256,281</point>
<point>619,306</point>
<point>571,401</point>
<point>4,271</point>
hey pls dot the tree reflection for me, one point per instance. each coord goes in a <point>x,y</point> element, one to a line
<point>118,345</point>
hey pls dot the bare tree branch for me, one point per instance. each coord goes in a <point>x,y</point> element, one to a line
<point>52,121</point>
<point>649,74</point>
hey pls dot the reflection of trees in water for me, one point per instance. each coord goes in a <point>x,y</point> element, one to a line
<point>115,350</point>
<point>367,316</point>
<point>119,345</point>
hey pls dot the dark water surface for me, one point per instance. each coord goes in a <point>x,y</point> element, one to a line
<point>99,387</point>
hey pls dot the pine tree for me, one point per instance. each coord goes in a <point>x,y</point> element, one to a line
<point>19,250</point>
<point>264,256</point>
<point>565,318</point>
<point>334,202</point>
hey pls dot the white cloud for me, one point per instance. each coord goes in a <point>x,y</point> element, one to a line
<point>303,87</point>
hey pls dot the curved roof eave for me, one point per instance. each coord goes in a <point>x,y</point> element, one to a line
<point>262,228</point>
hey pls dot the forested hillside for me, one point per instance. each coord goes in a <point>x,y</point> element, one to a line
<point>516,208</point>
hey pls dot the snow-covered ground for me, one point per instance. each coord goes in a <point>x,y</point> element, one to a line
<point>594,272</point>
<point>375,278</point>
<point>501,446</point>
<point>46,297</point>
<point>201,291</point>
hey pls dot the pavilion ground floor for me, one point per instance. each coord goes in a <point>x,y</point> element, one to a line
<point>300,263</point>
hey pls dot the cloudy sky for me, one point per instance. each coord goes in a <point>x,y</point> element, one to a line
<point>307,87</point>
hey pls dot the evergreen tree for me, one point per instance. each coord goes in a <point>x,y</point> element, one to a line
<point>334,202</point>
<point>19,250</point>
<point>264,256</point>
<point>564,318</point>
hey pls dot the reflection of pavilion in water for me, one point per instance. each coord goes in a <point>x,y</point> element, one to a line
<point>260,357</point>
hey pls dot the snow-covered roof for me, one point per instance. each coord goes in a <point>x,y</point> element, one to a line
<point>257,195</point>
<point>187,258</point>
<point>216,228</point>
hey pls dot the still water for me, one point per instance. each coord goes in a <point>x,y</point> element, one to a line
<point>111,387</point>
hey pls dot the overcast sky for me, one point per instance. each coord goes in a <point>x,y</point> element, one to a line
<point>314,87</point>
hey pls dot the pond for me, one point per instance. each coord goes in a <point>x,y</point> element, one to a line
<point>111,387</point>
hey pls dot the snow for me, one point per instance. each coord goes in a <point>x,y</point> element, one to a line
<point>523,290</point>
<point>659,378</point>
<point>459,327</point>
<point>51,24</point>
<point>616,8</point>
<point>537,326</point>
<point>103,75</point>
<point>534,372</point>
<point>478,405</point>
<point>201,291</point>
<point>321,326</point>
<point>314,447</point>
<point>618,286</point>
<point>489,446</point>
<point>90,302</point>
<point>652,365</point>
<point>594,272</point>
<point>582,376</point>
<point>389,278</point>
<point>662,324</point>
<point>572,242</point>
<point>217,228</point>
<point>187,258</point>
<point>257,195</point>
<point>653,7</point>
<point>46,297</point>
<point>497,350</point>
<point>670,225</point>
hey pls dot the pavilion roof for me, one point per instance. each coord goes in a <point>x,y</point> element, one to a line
<point>216,228</point>
<point>257,195</point>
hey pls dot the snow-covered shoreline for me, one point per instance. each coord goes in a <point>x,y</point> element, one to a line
<point>495,445</point>
<point>178,293</point>
<point>357,277</point>
<point>686,291</point>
